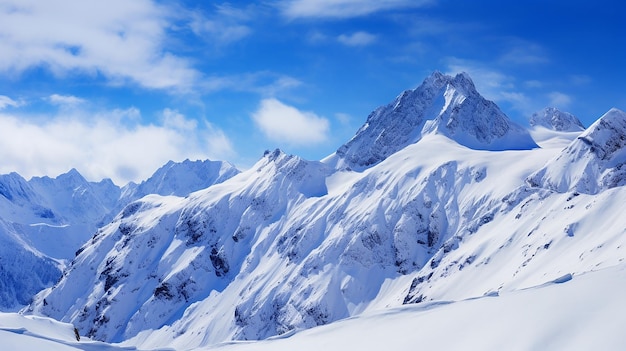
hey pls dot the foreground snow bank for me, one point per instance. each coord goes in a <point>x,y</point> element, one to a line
<point>582,313</point>
<point>27,333</point>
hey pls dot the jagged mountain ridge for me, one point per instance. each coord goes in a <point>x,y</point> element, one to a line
<point>45,220</point>
<point>271,250</point>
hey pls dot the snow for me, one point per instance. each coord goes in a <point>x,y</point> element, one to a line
<point>439,201</point>
<point>442,104</point>
<point>581,312</point>
<point>553,119</point>
<point>46,220</point>
<point>575,315</point>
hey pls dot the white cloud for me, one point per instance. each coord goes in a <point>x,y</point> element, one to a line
<point>108,145</point>
<point>123,41</point>
<point>559,100</point>
<point>284,123</point>
<point>65,100</point>
<point>224,27</point>
<point>343,8</point>
<point>357,39</point>
<point>6,101</point>
<point>263,82</point>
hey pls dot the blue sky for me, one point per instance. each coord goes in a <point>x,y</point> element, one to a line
<point>117,88</point>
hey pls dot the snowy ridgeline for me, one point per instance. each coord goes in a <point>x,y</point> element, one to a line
<point>44,221</point>
<point>438,197</point>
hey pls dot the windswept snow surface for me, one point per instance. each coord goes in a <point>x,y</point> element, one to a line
<point>584,313</point>
<point>579,312</point>
<point>28,333</point>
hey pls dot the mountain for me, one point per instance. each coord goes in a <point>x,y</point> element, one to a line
<point>24,271</point>
<point>46,220</point>
<point>595,161</point>
<point>181,179</point>
<point>554,119</point>
<point>518,320</point>
<point>290,244</point>
<point>442,104</point>
<point>564,220</point>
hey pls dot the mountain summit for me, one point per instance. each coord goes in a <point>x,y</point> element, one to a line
<point>553,118</point>
<point>442,104</point>
<point>593,162</point>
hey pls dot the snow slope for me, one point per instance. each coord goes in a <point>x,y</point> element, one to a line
<point>27,333</point>
<point>579,312</point>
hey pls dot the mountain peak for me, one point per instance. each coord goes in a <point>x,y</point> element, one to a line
<point>593,162</point>
<point>442,104</point>
<point>553,118</point>
<point>182,178</point>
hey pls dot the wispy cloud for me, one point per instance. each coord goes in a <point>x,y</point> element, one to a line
<point>559,100</point>
<point>264,83</point>
<point>65,100</point>
<point>110,144</point>
<point>283,123</point>
<point>122,41</point>
<point>494,85</point>
<point>6,101</point>
<point>227,24</point>
<point>357,39</point>
<point>343,8</point>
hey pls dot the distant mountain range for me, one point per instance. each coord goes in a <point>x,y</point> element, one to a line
<point>438,197</point>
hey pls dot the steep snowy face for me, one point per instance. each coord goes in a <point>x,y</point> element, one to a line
<point>442,104</point>
<point>593,162</point>
<point>76,200</point>
<point>23,270</point>
<point>53,217</point>
<point>554,119</point>
<point>19,200</point>
<point>162,254</point>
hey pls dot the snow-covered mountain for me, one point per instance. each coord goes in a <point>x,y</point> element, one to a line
<point>439,196</point>
<point>442,104</point>
<point>181,179</point>
<point>44,221</point>
<point>553,118</point>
